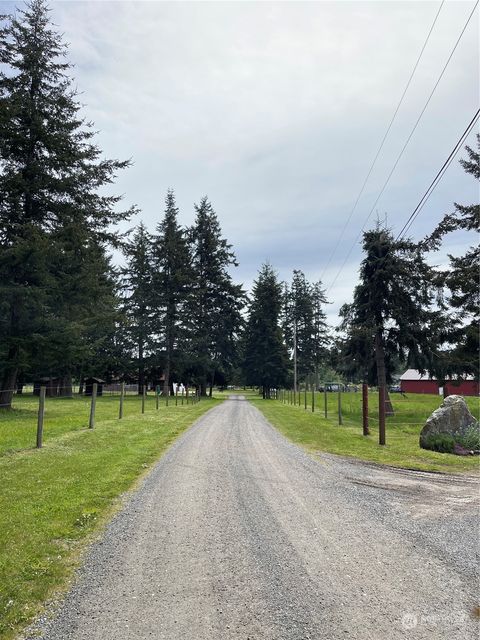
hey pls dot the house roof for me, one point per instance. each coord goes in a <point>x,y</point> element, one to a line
<point>413,374</point>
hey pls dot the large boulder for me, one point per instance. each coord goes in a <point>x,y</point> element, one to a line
<point>452,418</point>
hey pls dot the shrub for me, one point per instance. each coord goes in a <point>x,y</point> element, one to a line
<point>442,442</point>
<point>471,438</point>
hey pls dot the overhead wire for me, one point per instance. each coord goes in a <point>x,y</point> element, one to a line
<point>404,146</point>
<point>374,161</point>
<point>439,176</point>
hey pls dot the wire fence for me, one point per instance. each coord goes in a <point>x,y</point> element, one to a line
<point>61,413</point>
<point>336,401</point>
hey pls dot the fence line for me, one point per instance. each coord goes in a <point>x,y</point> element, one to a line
<point>92,400</point>
<point>334,406</point>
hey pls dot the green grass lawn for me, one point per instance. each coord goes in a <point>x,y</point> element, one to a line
<point>316,433</point>
<point>63,415</point>
<point>54,499</point>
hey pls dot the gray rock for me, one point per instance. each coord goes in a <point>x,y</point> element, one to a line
<point>452,417</point>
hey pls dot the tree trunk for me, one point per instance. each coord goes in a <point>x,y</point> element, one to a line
<point>9,380</point>
<point>52,388</point>
<point>19,388</point>
<point>212,380</point>
<point>66,387</point>
<point>166,382</point>
<point>381,372</point>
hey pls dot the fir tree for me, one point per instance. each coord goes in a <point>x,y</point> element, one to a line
<point>461,281</point>
<point>137,298</point>
<point>266,362</point>
<point>215,302</point>
<point>321,338</point>
<point>172,275</point>
<point>304,323</point>
<point>50,174</point>
<point>391,313</point>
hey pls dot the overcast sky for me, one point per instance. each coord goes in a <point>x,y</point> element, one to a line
<point>275,110</point>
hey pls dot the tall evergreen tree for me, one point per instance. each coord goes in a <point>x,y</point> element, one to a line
<point>215,302</point>
<point>321,339</point>
<point>50,176</point>
<point>304,323</point>
<point>137,298</point>
<point>266,361</point>
<point>301,324</point>
<point>391,313</point>
<point>85,306</point>
<point>461,281</point>
<point>172,275</point>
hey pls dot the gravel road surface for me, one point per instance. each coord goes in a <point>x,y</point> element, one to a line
<point>237,533</point>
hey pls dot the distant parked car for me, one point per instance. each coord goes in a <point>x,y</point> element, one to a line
<point>395,388</point>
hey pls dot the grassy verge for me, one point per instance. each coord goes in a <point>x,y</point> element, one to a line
<point>63,415</point>
<point>52,500</point>
<point>316,433</point>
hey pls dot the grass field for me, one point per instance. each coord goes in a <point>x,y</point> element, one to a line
<point>63,415</point>
<point>316,433</point>
<point>54,499</point>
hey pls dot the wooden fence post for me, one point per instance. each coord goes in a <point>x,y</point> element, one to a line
<point>143,399</point>
<point>41,413</point>
<point>381,414</point>
<point>176,396</point>
<point>91,422</point>
<point>122,393</point>
<point>325,400</point>
<point>313,398</point>
<point>157,395</point>
<point>366,430</point>
<point>340,419</point>
<point>187,393</point>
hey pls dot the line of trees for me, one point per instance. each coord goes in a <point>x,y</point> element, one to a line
<point>286,337</point>
<point>404,313</point>
<point>182,308</point>
<point>65,311</point>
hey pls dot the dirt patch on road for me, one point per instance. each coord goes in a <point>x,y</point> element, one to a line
<point>421,494</point>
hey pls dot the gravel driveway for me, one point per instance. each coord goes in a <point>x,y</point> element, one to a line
<point>237,533</point>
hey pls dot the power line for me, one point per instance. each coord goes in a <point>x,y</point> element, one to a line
<point>404,146</point>
<point>383,141</point>
<point>439,176</point>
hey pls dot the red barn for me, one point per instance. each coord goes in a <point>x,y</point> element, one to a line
<point>412,381</point>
